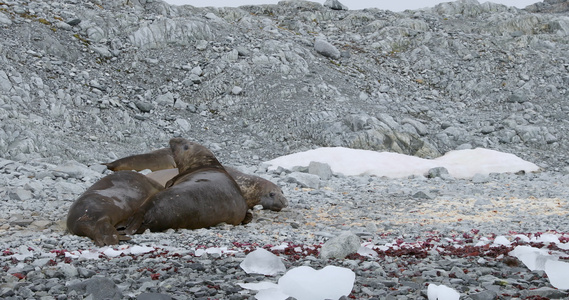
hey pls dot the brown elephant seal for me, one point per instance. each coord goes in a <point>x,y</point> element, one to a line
<point>255,190</point>
<point>156,160</point>
<point>112,202</point>
<point>200,196</point>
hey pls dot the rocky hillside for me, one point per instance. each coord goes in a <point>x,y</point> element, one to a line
<point>92,80</point>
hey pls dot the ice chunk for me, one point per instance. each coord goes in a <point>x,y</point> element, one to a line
<point>533,258</point>
<point>263,262</point>
<point>501,240</point>
<point>110,252</point>
<point>271,294</point>
<point>282,246</point>
<point>557,273</point>
<point>140,249</point>
<point>305,283</point>
<point>24,252</point>
<point>441,292</point>
<point>547,238</point>
<point>267,290</point>
<point>367,251</point>
<point>540,259</point>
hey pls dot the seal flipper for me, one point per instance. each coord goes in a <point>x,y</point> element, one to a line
<point>131,225</point>
<point>248,217</point>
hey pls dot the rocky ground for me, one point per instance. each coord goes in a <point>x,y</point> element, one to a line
<point>84,82</point>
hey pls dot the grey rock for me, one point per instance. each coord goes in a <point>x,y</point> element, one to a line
<point>5,19</point>
<point>144,106</point>
<point>437,172</point>
<point>480,178</point>
<point>98,288</point>
<point>518,96</point>
<point>340,246</point>
<point>236,90</point>
<point>75,170</point>
<point>323,170</point>
<point>482,202</point>
<point>335,4</point>
<point>304,180</point>
<point>5,83</point>
<point>546,292</point>
<point>153,296</point>
<point>21,194</point>
<point>423,195</point>
<point>484,295</point>
<point>326,49</point>
<point>74,22</point>
<point>102,51</point>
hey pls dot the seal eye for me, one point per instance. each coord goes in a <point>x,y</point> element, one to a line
<point>271,194</point>
<point>186,147</point>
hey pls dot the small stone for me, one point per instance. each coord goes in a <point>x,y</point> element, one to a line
<point>236,90</point>
<point>5,19</point>
<point>480,178</point>
<point>144,107</point>
<point>326,49</point>
<point>98,288</point>
<point>197,71</point>
<point>21,194</point>
<point>437,172</point>
<point>74,22</point>
<point>335,5</point>
<point>545,292</point>
<point>487,129</point>
<point>201,45</point>
<point>323,170</point>
<point>341,246</point>
<point>519,96</point>
<point>423,195</point>
<point>304,180</point>
<point>23,222</point>
<point>153,296</point>
<point>485,295</point>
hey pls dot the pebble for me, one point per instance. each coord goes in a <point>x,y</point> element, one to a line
<point>340,246</point>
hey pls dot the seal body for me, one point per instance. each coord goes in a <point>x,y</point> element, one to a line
<point>115,201</point>
<point>201,195</point>
<point>255,190</point>
<point>156,160</point>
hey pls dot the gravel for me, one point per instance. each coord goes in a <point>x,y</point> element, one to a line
<point>85,82</point>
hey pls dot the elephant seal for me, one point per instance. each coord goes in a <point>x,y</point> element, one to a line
<point>156,160</point>
<point>115,201</point>
<point>255,190</point>
<point>200,196</point>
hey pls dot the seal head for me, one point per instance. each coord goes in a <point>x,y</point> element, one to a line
<point>257,190</point>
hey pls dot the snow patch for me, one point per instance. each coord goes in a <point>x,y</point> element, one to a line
<point>355,162</point>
